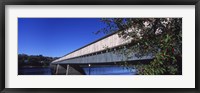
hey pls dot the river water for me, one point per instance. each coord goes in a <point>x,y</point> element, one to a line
<point>34,71</point>
<point>111,70</point>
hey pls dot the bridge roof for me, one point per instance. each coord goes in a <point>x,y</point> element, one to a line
<point>89,44</point>
<point>111,40</point>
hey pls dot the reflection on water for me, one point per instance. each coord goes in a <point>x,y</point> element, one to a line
<point>34,71</point>
<point>102,70</point>
<point>110,70</point>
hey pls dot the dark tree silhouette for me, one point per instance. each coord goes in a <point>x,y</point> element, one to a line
<point>34,60</point>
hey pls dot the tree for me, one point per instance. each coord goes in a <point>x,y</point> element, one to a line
<point>160,37</point>
<point>34,60</point>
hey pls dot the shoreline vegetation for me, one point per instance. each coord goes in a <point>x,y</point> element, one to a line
<point>34,61</point>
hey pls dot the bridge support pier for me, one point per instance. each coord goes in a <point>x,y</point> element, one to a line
<point>57,67</point>
<point>67,69</point>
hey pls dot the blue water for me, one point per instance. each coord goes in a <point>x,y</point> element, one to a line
<point>111,70</point>
<point>35,71</point>
<point>107,70</point>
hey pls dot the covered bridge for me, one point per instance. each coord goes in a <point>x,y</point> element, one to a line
<point>99,52</point>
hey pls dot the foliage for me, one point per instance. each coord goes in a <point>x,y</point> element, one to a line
<point>159,37</point>
<point>34,60</point>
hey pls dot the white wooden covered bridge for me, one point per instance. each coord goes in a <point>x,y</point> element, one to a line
<point>98,52</point>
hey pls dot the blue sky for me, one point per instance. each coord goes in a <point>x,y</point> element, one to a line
<point>56,37</point>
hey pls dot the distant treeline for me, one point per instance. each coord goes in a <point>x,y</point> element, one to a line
<point>34,60</point>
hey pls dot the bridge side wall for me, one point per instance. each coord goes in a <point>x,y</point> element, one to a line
<point>108,42</point>
<point>107,57</point>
